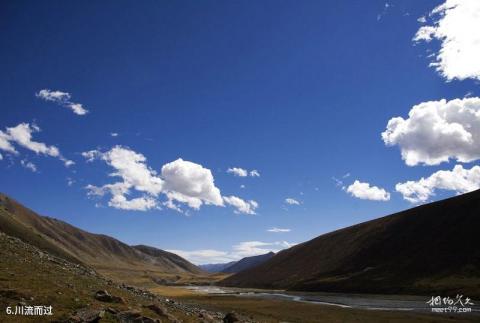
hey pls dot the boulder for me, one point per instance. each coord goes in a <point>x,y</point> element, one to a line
<point>104,296</point>
<point>87,315</point>
<point>231,317</point>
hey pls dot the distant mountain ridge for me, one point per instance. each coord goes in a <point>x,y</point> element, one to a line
<point>237,266</point>
<point>97,250</point>
<point>216,268</point>
<point>428,249</point>
<point>247,263</point>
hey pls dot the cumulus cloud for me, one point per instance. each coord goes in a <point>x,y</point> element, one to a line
<point>278,230</point>
<point>364,191</point>
<point>241,172</point>
<point>181,183</point>
<point>242,206</point>
<point>456,25</point>
<point>22,135</point>
<point>237,252</point>
<point>291,201</point>
<point>62,99</point>
<point>436,131</point>
<point>190,183</point>
<point>459,180</point>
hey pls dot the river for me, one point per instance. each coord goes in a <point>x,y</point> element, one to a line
<point>360,301</point>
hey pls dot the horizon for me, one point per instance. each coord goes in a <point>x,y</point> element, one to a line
<point>219,132</point>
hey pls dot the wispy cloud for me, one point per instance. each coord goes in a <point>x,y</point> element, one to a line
<point>241,172</point>
<point>291,201</point>
<point>62,99</point>
<point>22,135</point>
<point>29,165</point>
<point>278,230</point>
<point>237,252</point>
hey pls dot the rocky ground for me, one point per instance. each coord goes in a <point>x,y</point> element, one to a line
<point>77,293</point>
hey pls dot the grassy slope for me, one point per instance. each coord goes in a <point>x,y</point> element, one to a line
<point>34,277</point>
<point>431,248</point>
<point>101,251</point>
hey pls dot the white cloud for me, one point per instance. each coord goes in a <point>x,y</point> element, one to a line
<point>237,171</point>
<point>422,19</point>
<point>180,181</point>
<point>137,204</point>
<point>292,201</point>
<point>237,252</point>
<point>114,134</point>
<point>1,157</point>
<point>242,206</point>
<point>91,155</point>
<point>278,230</point>
<point>135,174</point>
<point>29,165</point>
<point>459,180</point>
<point>241,172</point>
<point>366,192</point>
<point>190,183</point>
<point>436,131</point>
<point>70,181</point>
<point>63,99</point>
<point>22,136</point>
<point>5,143</point>
<point>457,27</point>
<point>204,256</point>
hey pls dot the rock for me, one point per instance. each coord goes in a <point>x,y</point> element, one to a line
<point>158,309</point>
<point>111,310</point>
<point>87,315</point>
<point>206,317</point>
<point>134,316</point>
<point>231,317</point>
<point>104,296</point>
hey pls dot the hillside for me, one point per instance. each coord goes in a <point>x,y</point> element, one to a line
<point>428,249</point>
<point>247,263</point>
<point>99,251</point>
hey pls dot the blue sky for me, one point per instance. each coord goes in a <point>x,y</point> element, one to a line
<point>300,91</point>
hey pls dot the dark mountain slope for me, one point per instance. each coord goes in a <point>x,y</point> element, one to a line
<point>248,262</point>
<point>432,248</point>
<point>67,241</point>
<point>216,268</point>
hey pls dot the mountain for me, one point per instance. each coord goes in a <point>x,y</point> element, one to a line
<point>431,249</point>
<point>247,263</point>
<point>97,250</point>
<point>237,266</point>
<point>216,268</point>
